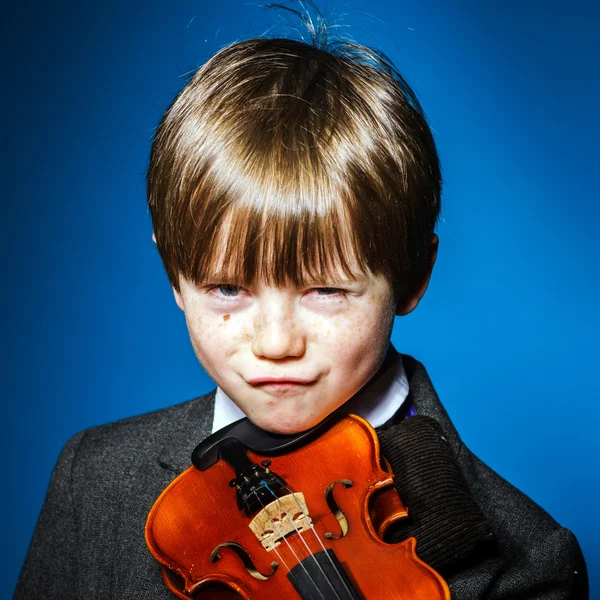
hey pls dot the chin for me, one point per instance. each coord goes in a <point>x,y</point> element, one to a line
<point>286,426</point>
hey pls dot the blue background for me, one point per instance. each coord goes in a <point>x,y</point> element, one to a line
<point>508,329</point>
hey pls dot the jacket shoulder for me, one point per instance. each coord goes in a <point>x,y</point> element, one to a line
<point>531,556</point>
<point>148,432</point>
<point>140,453</point>
<point>155,420</point>
<point>89,535</point>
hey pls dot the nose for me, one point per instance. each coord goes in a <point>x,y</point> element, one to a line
<point>277,332</point>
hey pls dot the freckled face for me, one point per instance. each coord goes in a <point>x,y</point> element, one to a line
<point>286,356</point>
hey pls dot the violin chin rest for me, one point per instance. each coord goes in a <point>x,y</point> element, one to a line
<point>207,452</point>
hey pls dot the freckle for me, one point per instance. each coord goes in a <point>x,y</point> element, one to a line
<point>226,317</point>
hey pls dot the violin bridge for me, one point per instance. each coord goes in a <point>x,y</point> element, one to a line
<point>279,518</point>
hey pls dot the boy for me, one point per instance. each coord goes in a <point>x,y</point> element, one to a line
<point>294,192</point>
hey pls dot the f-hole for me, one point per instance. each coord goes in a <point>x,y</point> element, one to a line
<point>245,558</point>
<point>336,510</point>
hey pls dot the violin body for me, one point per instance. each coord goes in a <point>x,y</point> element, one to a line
<point>320,538</point>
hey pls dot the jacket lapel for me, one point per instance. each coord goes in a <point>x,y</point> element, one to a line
<point>425,400</point>
<point>183,436</point>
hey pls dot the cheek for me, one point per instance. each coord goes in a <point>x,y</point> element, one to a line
<point>362,335</point>
<point>211,336</point>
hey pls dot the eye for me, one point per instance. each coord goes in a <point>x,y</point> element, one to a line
<point>225,290</point>
<point>325,298</point>
<point>229,290</point>
<point>328,291</point>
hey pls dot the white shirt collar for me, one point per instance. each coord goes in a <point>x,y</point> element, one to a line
<point>377,402</point>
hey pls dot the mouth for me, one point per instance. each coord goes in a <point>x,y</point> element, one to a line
<point>280,384</point>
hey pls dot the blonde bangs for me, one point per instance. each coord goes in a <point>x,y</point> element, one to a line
<point>287,226</point>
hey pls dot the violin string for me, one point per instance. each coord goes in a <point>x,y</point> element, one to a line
<point>280,557</point>
<point>333,566</point>
<point>287,542</point>
<point>300,562</point>
<point>303,567</point>
<point>311,553</point>
<point>274,547</point>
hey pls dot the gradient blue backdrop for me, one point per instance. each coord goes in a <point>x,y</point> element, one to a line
<point>508,328</point>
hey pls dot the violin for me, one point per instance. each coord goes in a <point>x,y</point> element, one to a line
<point>262,516</point>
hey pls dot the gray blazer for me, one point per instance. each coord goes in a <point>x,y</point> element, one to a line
<point>89,539</point>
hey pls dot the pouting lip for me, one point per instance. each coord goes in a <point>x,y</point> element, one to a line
<point>267,380</point>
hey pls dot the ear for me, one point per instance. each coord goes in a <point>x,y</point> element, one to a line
<point>176,294</point>
<point>178,299</point>
<point>417,288</point>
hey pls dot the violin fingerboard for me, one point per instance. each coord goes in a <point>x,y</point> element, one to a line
<point>322,577</point>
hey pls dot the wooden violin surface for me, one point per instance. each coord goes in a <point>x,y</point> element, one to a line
<point>319,538</point>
